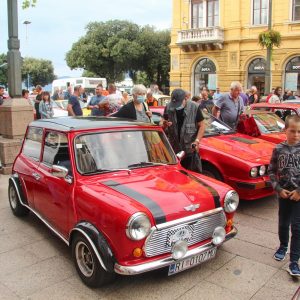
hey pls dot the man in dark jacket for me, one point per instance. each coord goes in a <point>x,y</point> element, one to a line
<point>184,124</point>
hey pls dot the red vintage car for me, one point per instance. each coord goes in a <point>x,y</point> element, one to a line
<point>236,159</point>
<point>267,126</point>
<point>283,109</point>
<point>115,192</point>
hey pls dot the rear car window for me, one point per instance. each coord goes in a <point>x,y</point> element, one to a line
<point>33,143</point>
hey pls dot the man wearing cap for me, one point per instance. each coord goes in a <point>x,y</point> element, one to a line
<point>184,124</point>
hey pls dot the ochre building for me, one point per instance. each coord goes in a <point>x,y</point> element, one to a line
<point>215,42</point>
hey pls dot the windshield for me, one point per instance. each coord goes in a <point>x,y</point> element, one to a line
<point>109,151</point>
<point>214,126</point>
<point>268,122</point>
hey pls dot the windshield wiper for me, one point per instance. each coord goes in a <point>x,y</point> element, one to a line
<point>145,164</point>
<point>107,170</point>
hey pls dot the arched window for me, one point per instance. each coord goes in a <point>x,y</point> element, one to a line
<point>256,74</point>
<point>292,75</point>
<point>204,75</point>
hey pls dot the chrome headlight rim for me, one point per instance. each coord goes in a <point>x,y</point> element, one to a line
<point>262,170</point>
<point>133,220</point>
<point>254,172</point>
<point>231,201</point>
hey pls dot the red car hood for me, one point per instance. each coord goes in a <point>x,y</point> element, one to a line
<point>167,193</point>
<point>241,146</point>
<point>275,138</point>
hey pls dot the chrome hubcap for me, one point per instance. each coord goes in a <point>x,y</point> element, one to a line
<point>84,259</point>
<point>13,197</point>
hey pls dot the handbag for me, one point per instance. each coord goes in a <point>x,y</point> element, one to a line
<point>192,162</point>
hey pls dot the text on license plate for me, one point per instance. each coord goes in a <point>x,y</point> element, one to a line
<point>192,261</point>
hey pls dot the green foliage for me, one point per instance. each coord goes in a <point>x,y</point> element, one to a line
<point>41,71</point>
<point>109,49</point>
<point>3,70</point>
<point>28,3</point>
<point>269,38</point>
<point>87,73</point>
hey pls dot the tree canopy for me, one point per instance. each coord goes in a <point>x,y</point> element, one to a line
<point>3,69</point>
<point>109,49</point>
<point>40,71</point>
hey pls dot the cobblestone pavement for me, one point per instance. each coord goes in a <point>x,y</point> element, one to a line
<point>35,264</point>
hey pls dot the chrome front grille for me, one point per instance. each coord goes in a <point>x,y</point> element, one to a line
<point>196,230</point>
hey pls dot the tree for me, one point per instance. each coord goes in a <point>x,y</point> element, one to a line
<point>109,49</point>
<point>28,3</point>
<point>3,69</point>
<point>41,71</point>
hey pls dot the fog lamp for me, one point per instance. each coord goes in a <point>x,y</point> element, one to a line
<point>218,236</point>
<point>137,252</point>
<point>179,249</point>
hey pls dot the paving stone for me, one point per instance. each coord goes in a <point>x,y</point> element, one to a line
<point>16,259</point>
<point>209,291</point>
<point>258,237</point>
<point>284,282</point>
<point>154,286</point>
<point>269,293</point>
<point>242,276</point>
<point>29,280</point>
<point>64,291</point>
<point>253,252</point>
<point>222,257</point>
<point>6,294</point>
<point>49,248</point>
<point>257,223</point>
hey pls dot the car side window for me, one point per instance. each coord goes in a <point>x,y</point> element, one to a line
<point>33,143</point>
<point>56,150</point>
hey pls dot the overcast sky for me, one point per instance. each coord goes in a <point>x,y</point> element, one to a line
<point>57,24</point>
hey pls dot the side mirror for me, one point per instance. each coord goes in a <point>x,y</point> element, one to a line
<point>180,155</point>
<point>59,171</point>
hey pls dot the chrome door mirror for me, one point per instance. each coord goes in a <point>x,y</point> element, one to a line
<point>180,155</point>
<point>59,171</point>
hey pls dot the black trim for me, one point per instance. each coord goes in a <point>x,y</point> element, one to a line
<point>214,193</point>
<point>101,244</point>
<point>155,209</point>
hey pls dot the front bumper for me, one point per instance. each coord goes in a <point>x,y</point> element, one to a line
<point>164,262</point>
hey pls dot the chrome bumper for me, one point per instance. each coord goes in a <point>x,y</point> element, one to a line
<point>164,262</point>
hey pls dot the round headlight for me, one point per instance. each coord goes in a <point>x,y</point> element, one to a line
<point>138,227</point>
<point>179,249</point>
<point>254,172</point>
<point>262,170</point>
<point>219,236</point>
<point>231,201</point>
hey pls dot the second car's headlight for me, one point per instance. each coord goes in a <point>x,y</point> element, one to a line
<point>231,201</point>
<point>254,172</point>
<point>262,170</point>
<point>138,226</point>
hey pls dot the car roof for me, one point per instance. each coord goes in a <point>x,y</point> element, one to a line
<point>275,105</point>
<point>82,123</point>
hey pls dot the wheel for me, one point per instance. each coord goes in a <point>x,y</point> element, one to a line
<point>87,264</point>
<point>15,204</point>
<point>211,171</point>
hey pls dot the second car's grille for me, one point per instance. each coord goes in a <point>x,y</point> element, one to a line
<point>195,231</point>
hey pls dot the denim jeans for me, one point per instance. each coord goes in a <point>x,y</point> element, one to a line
<point>289,215</point>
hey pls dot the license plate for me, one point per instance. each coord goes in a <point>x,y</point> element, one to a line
<point>192,261</point>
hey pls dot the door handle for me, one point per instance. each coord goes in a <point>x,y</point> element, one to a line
<point>36,176</point>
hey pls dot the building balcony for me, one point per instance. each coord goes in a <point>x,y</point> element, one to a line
<point>201,39</point>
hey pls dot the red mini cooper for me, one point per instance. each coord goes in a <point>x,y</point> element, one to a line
<point>114,191</point>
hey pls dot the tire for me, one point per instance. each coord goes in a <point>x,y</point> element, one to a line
<point>14,201</point>
<point>87,265</point>
<point>211,171</point>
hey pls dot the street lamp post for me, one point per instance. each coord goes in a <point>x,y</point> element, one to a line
<point>269,52</point>
<point>26,23</point>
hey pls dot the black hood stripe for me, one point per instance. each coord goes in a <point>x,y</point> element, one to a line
<point>214,193</point>
<point>155,209</point>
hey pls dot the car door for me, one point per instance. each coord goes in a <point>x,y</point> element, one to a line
<point>29,161</point>
<point>54,194</point>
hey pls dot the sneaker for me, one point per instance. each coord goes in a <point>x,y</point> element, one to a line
<point>280,253</point>
<point>294,269</point>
